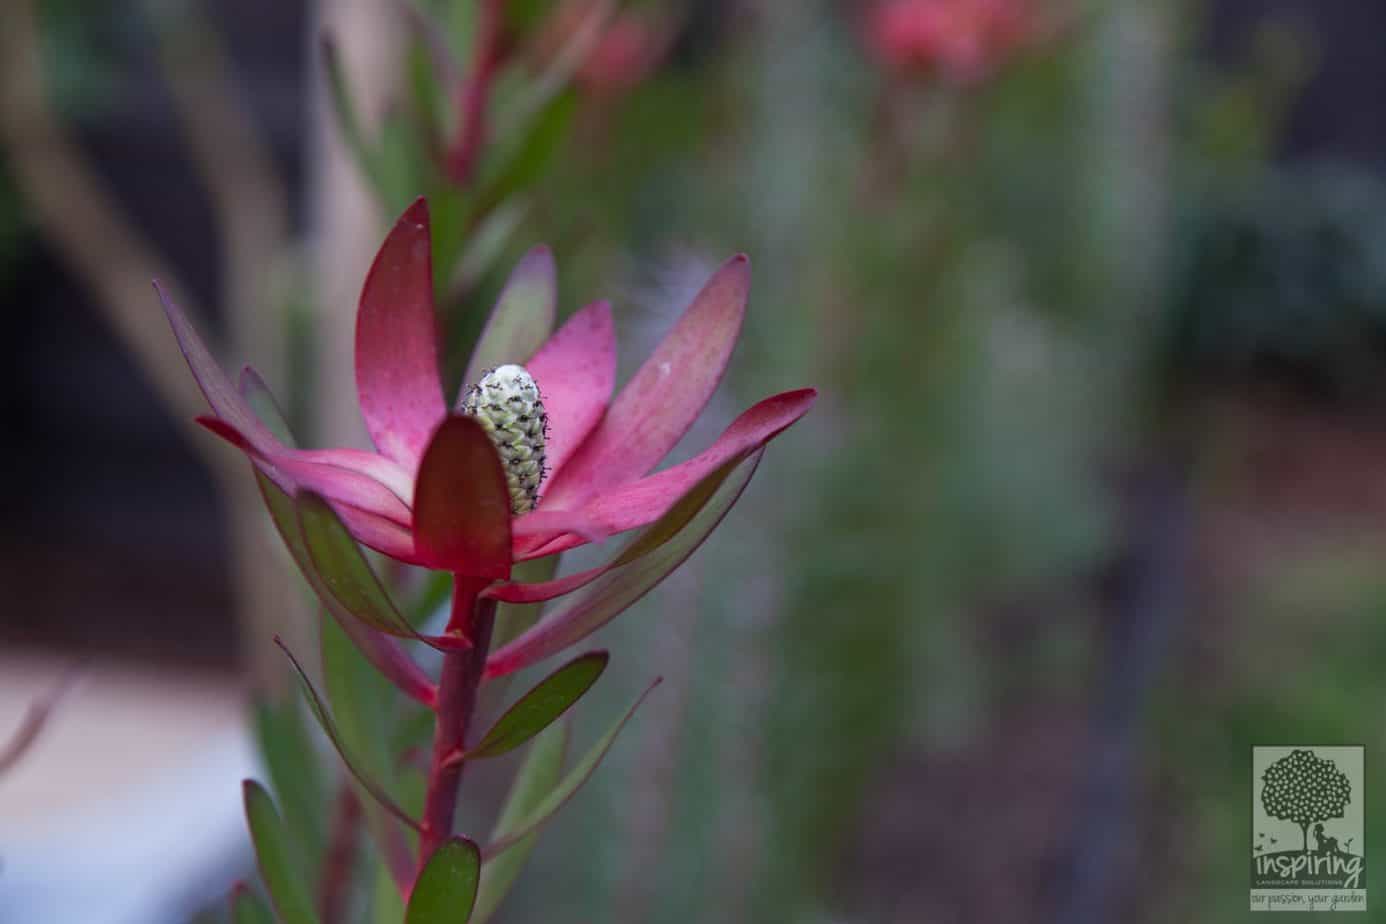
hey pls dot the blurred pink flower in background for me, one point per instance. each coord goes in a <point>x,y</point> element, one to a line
<point>631,46</point>
<point>961,40</point>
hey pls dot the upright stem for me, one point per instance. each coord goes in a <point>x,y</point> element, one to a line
<point>457,689</point>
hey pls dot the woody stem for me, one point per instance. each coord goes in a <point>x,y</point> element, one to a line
<point>457,695</point>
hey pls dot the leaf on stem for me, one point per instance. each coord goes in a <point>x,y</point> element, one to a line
<point>536,778</point>
<point>445,892</point>
<point>330,729</point>
<point>347,576</point>
<point>542,706</point>
<point>568,786</point>
<point>275,855</point>
<point>384,654</point>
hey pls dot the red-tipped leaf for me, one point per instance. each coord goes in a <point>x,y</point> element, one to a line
<point>575,371</point>
<point>663,398</point>
<point>461,503</point>
<point>397,378</point>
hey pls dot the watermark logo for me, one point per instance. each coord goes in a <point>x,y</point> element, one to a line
<point>1307,847</point>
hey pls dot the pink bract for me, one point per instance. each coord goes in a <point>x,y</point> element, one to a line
<point>434,493</point>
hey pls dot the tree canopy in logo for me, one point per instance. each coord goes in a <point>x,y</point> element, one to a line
<point>1304,789</point>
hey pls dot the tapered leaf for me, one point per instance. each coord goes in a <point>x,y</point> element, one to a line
<point>349,578</point>
<point>329,727</point>
<point>296,778</point>
<point>536,778</point>
<point>461,502</point>
<point>262,401</point>
<point>387,657</point>
<point>568,786</point>
<point>365,712</point>
<point>246,907</point>
<point>541,706</point>
<point>275,854</point>
<point>522,157</point>
<point>639,568</point>
<point>661,401</point>
<point>446,889</point>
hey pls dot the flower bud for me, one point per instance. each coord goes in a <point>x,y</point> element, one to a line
<point>507,405</point>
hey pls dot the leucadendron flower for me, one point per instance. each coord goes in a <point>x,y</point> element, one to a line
<point>534,456</point>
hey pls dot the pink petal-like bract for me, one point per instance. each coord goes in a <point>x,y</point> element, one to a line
<point>397,376</point>
<point>226,401</point>
<point>645,500</point>
<point>666,395</point>
<point>575,371</point>
<point>331,481</point>
<point>461,503</point>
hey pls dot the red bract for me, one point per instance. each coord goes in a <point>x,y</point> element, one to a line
<point>434,493</point>
<point>963,39</point>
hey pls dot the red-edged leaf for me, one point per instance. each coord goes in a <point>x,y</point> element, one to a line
<point>381,651</point>
<point>637,570</point>
<point>349,578</point>
<point>522,319</point>
<point>461,503</point>
<point>662,399</point>
<point>541,706</point>
<point>649,498</point>
<point>319,709</point>
<point>575,371</point>
<point>292,471</point>
<point>223,397</point>
<point>397,376</point>
<point>572,781</point>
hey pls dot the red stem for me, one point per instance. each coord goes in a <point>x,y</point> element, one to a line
<point>341,855</point>
<point>476,91</point>
<point>457,689</point>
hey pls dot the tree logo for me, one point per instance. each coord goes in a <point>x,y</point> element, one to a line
<point>1307,850</point>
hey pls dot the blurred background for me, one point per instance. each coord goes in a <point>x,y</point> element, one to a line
<point>1094,498</point>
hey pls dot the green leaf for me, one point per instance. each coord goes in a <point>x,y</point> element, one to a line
<point>542,706</point>
<point>384,654</point>
<point>484,246</point>
<point>523,159</point>
<point>275,854</point>
<point>365,709</point>
<point>246,907</point>
<point>386,904</point>
<point>536,778</point>
<point>568,787</point>
<point>343,571</point>
<point>446,889</point>
<point>296,777</point>
<point>329,727</point>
